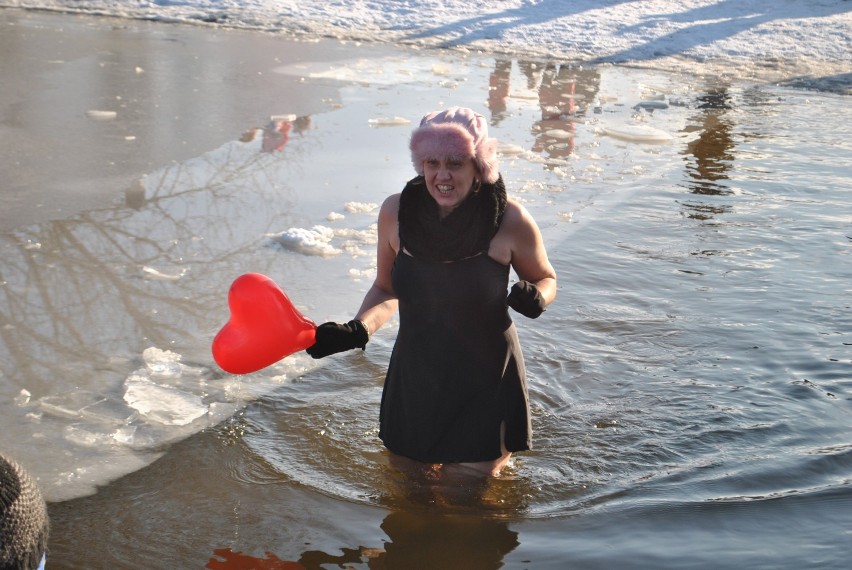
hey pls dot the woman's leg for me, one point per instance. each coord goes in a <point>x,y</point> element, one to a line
<point>472,468</point>
<point>489,468</point>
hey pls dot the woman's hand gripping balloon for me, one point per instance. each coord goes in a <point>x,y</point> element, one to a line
<point>336,337</point>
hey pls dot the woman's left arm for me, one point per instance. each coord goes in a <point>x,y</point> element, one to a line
<point>529,256</point>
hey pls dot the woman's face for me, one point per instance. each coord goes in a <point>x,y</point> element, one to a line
<point>449,181</point>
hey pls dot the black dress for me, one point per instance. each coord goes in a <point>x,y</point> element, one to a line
<point>456,372</point>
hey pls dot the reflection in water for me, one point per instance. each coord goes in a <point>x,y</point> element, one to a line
<point>95,283</point>
<point>433,532</point>
<point>414,540</point>
<point>82,299</point>
<point>565,94</point>
<point>227,559</point>
<point>498,90</point>
<point>465,541</point>
<point>276,134</point>
<point>710,156</point>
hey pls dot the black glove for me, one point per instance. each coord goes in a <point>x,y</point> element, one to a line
<point>336,337</point>
<point>526,299</point>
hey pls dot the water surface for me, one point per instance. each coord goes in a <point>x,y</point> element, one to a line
<point>691,386</point>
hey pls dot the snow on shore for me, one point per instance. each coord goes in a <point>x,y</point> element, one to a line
<point>797,36</point>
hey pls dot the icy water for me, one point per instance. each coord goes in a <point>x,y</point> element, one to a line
<point>691,386</point>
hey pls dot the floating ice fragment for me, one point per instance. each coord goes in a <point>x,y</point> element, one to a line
<point>162,404</point>
<point>87,436</point>
<point>510,149</point>
<point>125,435</point>
<point>360,207</point>
<point>358,274</point>
<point>164,276</point>
<point>108,411</point>
<point>651,105</point>
<point>633,170</point>
<point>315,241</point>
<point>220,411</point>
<point>370,235</point>
<point>162,363</point>
<point>558,134</point>
<point>638,134</point>
<point>68,404</point>
<point>388,122</point>
<point>101,115</point>
<point>23,398</point>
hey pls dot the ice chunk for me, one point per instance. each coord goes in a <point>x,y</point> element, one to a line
<point>638,134</point>
<point>220,411</point>
<point>315,241</point>
<point>370,235</point>
<point>98,115</point>
<point>507,149</point>
<point>360,207</point>
<point>108,411</point>
<point>162,363</point>
<point>358,274</point>
<point>125,435</point>
<point>162,404</point>
<point>651,105</point>
<point>157,274</point>
<point>388,122</point>
<point>23,398</point>
<point>558,134</point>
<point>69,404</point>
<point>87,435</point>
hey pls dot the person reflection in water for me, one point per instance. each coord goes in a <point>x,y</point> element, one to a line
<point>415,540</point>
<point>276,133</point>
<point>712,149</point>
<point>498,90</point>
<point>455,394</point>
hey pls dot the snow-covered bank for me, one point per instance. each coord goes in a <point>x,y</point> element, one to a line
<point>776,39</point>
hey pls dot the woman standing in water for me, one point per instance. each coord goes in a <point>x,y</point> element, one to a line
<point>455,392</point>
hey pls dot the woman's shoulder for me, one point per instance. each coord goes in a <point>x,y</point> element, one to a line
<point>515,214</point>
<point>390,206</point>
<point>392,201</point>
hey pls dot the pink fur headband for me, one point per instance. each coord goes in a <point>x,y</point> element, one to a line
<point>457,132</point>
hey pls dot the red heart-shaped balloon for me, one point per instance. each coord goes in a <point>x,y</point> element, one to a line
<point>264,326</point>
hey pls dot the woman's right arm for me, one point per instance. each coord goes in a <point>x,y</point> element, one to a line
<point>380,302</point>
